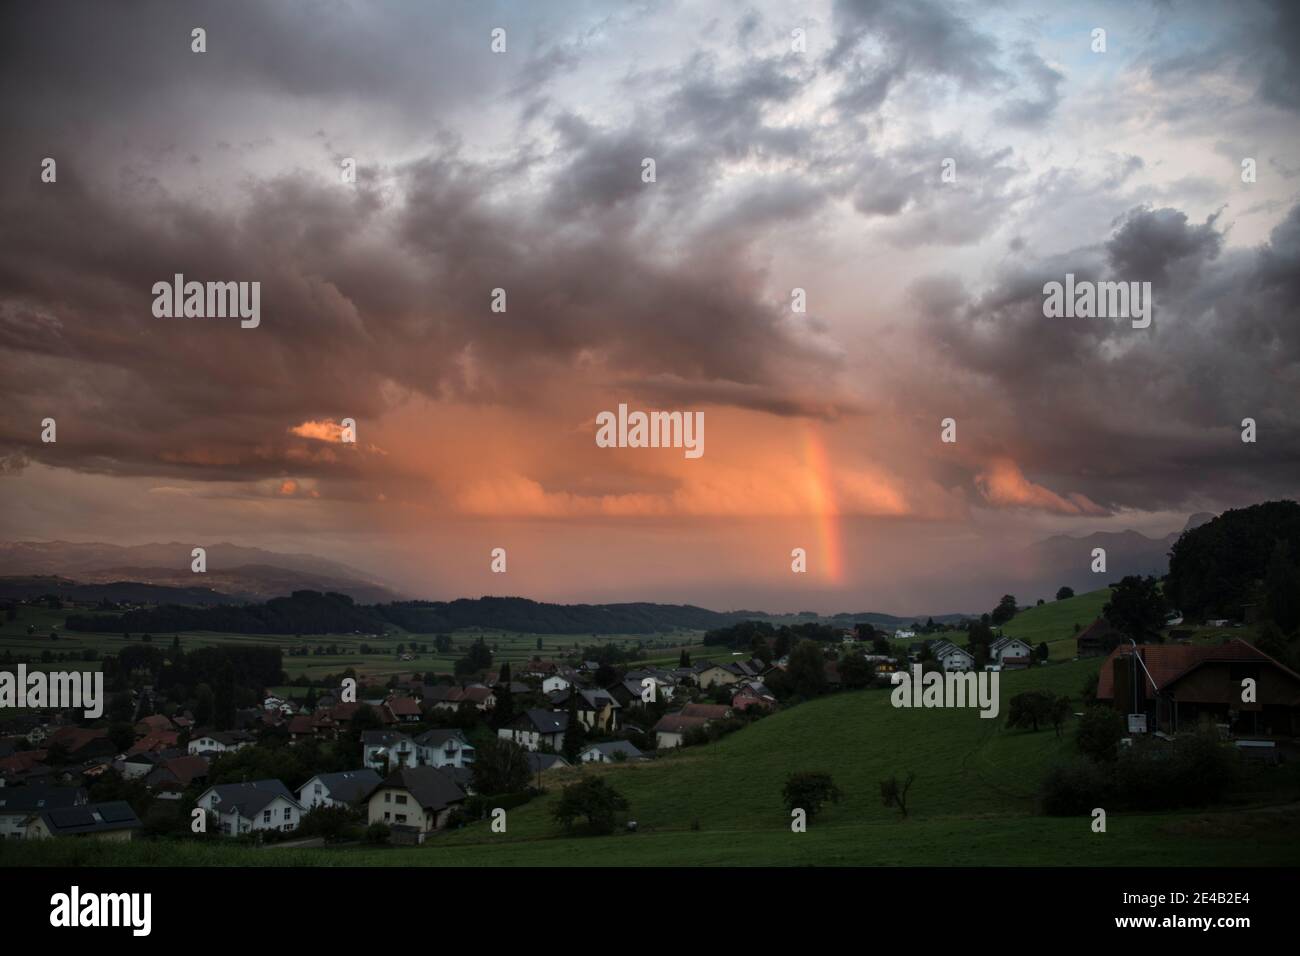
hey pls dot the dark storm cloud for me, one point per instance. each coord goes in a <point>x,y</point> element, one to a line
<point>1139,418</point>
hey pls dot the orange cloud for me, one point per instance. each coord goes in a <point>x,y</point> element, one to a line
<point>1004,485</point>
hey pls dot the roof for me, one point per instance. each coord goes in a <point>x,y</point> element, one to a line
<point>1169,662</point>
<point>611,747</point>
<point>183,769</point>
<point>32,799</point>
<point>404,707</point>
<point>678,723</point>
<point>540,762</point>
<point>91,818</point>
<point>439,738</point>
<point>249,798</point>
<point>347,785</point>
<point>544,721</point>
<point>1100,630</point>
<point>432,788</point>
<point>381,738</point>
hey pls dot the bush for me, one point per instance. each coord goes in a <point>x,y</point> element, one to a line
<point>1100,732</point>
<point>1074,788</point>
<point>378,833</point>
<point>808,790</point>
<point>594,799</point>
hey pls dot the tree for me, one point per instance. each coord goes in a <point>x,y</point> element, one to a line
<point>1059,714</point>
<point>807,669</point>
<point>500,766</point>
<point>894,794</point>
<point>478,658</point>
<point>1282,589</point>
<point>573,731</point>
<point>855,671</point>
<point>594,799</point>
<point>1005,610</point>
<point>539,643</point>
<point>1137,608</point>
<point>1063,593</point>
<point>1100,731</point>
<point>808,790</point>
<point>1044,652</point>
<point>1030,708</point>
<point>684,658</point>
<point>980,633</point>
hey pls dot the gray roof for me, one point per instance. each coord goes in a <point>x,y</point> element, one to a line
<point>250,798</point>
<point>546,721</point>
<point>430,786</point>
<point>33,799</point>
<point>347,785</point>
<point>438,738</point>
<point>611,747</point>
<point>91,818</point>
<point>381,738</point>
<point>539,762</point>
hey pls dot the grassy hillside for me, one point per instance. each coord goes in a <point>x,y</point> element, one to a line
<point>1054,622</point>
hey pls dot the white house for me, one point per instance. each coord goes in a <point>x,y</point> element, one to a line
<point>904,635</point>
<point>533,728</point>
<point>248,807</point>
<point>220,741</point>
<point>553,683</point>
<point>1005,647</point>
<point>609,751</point>
<point>434,748</point>
<point>952,657</point>
<point>337,789</point>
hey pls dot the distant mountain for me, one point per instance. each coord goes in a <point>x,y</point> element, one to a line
<point>244,574</point>
<point>118,592</point>
<point>1062,560</point>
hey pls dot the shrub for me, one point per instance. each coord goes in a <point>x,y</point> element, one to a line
<point>808,790</point>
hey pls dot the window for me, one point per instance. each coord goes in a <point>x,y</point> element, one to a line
<point>288,813</point>
<point>401,798</point>
<point>388,797</point>
<point>401,818</point>
<point>316,789</point>
<point>266,816</point>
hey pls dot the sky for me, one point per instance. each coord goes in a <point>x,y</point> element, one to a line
<point>796,146</point>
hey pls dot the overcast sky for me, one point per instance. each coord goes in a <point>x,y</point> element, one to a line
<point>776,168</point>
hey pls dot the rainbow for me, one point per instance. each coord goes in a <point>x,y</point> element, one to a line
<point>824,508</point>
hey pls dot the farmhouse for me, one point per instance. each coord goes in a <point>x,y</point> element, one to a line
<point>444,748</point>
<point>246,807</point>
<point>596,709</point>
<point>414,801</point>
<point>1176,685</point>
<point>1098,639</point>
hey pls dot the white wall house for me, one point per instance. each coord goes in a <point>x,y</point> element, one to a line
<point>241,808</point>
<point>952,657</point>
<point>1009,647</point>
<point>220,742</point>
<point>553,683</point>
<point>337,789</point>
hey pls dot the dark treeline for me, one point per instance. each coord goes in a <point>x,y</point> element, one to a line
<point>310,612</point>
<point>247,667</point>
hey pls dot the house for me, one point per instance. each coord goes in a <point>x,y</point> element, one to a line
<point>444,748</point>
<point>138,765</point>
<point>1175,685</point>
<point>403,710</point>
<point>1011,652</point>
<point>672,729</point>
<point>385,749</point>
<point>114,820</point>
<point>536,728</point>
<point>343,789</point>
<point>247,807</point>
<point>904,634</point>
<point>753,695</point>
<point>553,683</point>
<point>156,723</point>
<point>452,698</point>
<point>19,804</point>
<point>176,774</point>
<point>596,709</point>
<point>952,657</point>
<point>414,801</point>
<point>1098,639</point>
<point>613,751</point>
<point>221,741</point>
<point>708,674</point>
<point>540,763</point>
